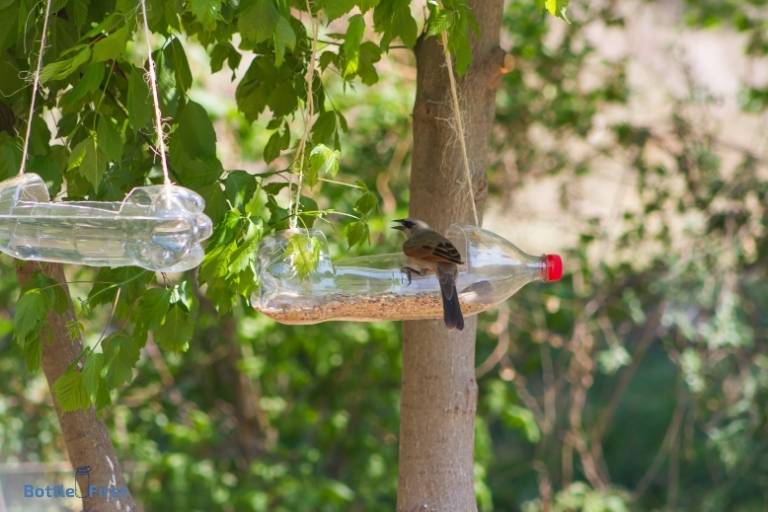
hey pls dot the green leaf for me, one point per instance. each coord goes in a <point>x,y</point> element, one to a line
<point>207,12</point>
<point>153,306</point>
<point>366,5</point>
<point>215,201</point>
<point>9,16</point>
<point>282,101</point>
<point>31,310</point>
<point>393,19</point>
<point>70,391</point>
<point>193,148</point>
<point>522,419</point>
<point>40,137</point>
<point>336,8</point>
<point>274,188</point>
<point>176,332</point>
<point>10,156</point>
<point>77,154</point>
<point>357,232</point>
<point>178,325</point>
<point>222,52</point>
<point>303,253</point>
<point>33,353</point>
<point>327,58</point>
<point>265,85</point>
<point>139,103</point>
<point>245,254</point>
<point>257,205</point>
<point>94,363</point>
<point>63,68</point>
<point>111,46</point>
<point>351,47</point>
<point>370,53</point>
<point>108,24</point>
<point>89,82</point>
<point>51,167</point>
<point>238,188</point>
<point>258,20</point>
<point>324,128</point>
<point>459,42</point>
<point>55,295</point>
<point>88,160</point>
<point>439,22</point>
<point>10,82</point>
<point>278,141</point>
<point>455,19</point>
<point>557,7</point>
<point>306,204</point>
<point>177,58</point>
<point>195,131</point>
<point>323,161</point>
<point>121,353</point>
<point>216,263</point>
<point>284,38</point>
<point>131,281</point>
<point>367,203</point>
<point>110,139</point>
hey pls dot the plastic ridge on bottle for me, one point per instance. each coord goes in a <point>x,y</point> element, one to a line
<point>156,227</point>
<point>369,288</point>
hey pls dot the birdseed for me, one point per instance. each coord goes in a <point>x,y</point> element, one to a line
<point>364,308</point>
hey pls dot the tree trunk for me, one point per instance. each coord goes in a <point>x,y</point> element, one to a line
<point>85,436</point>
<point>439,393</point>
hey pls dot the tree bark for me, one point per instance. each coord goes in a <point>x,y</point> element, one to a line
<point>85,436</point>
<point>439,392</point>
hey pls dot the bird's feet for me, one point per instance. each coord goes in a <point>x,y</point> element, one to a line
<point>409,271</point>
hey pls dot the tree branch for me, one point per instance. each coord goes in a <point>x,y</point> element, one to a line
<point>85,436</point>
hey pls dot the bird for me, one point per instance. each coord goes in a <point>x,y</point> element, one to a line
<point>430,251</point>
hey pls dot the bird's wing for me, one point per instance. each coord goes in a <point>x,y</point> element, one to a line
<point>431,246</point>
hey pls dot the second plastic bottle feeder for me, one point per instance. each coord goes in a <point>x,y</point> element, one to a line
<point>370,288</point>
<point>156,227</point>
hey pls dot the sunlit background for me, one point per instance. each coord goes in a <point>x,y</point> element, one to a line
<point>633,140</point>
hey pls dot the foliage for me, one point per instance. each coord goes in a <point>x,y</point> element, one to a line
<point>216,408</point>
<point>657,320</point>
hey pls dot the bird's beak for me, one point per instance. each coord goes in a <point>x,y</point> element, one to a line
<point>400,226</point>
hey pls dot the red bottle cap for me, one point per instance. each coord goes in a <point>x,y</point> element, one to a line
<point>553,269</point>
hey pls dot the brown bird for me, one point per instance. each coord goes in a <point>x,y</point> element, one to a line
<point>429,251</point>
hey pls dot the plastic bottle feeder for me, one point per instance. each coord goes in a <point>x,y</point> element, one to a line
<point>156,227</point>
<point>370,288</point>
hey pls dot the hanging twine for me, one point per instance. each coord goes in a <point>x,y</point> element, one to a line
<point>155,100</point>
<point>309,112</point>
<point>35,87</point>
<point>459,123</point>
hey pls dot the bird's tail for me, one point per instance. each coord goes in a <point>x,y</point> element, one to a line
<point>451,306</point>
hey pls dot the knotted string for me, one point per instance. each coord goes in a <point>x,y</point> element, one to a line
<point>35,87</point>
<point>155,100</point>
<point>309,113</point>
<point>459,123</point>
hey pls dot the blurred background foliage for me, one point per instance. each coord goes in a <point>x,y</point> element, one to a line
<point>640,382</point>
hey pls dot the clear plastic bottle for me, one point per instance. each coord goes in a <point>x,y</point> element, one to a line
<point>156,227</point>
<point>371,288</point>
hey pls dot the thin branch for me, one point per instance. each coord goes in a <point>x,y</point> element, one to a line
<point>669,441</point>
<point>647,336</point>
<point>502,345</point>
